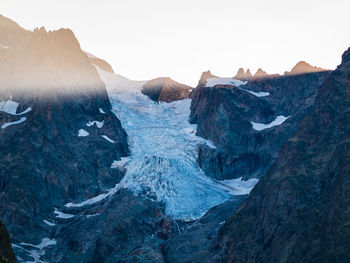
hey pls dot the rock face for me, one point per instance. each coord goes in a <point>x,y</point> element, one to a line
<point>299,211</point>
<point>58,135</point>
<point>101,63</point>
<point>224,115</point>
<point>165,89</point>
<point>303,67</point>
<point>194,242</point>
<point>260,74</point>
<point>6,253</point>
<point>241,75</point>
<point>124,229</point>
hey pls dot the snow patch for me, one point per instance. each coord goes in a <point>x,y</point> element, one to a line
<point>45,242</point>
<point>10,107</point>
<point>107,138</point>
<point>92,215</point>
<point>211,82</point>
<point>38,250</point>
<point>238,186</point>
<point>2,46</point>
<point>99,124</point>
<point>257,94</point>
<point>261,126</point>
<point>83,133</point>
<point>210,144</point>
<point>94,199</point>
<point>49,223</point>
<point>102,111</point>
<point>7,124</point>
<point>60,214</point>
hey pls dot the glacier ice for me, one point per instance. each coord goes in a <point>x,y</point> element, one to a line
<point>163,161</point>
<point>238,186</point>
<point>163,147</point>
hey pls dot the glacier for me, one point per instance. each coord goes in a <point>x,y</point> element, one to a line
<point>163,161</point>
<point>163,145</point>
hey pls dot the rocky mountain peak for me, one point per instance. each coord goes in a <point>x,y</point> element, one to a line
<point>8,23</point>
<point>205,75</point>
<point>46,64</point>
<point>260,74</point>
<point>303,67</point>
<point>346,57</point>
<point>241,75</point>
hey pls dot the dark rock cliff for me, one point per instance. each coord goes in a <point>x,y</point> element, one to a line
<point>6,253</point>
<point>299,211</point>
<point>124,229</point>
<point>44,163</point>
<point>224,114</point>
<point>165,89</point>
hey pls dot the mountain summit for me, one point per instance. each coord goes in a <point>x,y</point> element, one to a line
<point>303,67</point>
<point>241,75</point>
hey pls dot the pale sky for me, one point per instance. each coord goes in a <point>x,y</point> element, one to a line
<point>144,39</point>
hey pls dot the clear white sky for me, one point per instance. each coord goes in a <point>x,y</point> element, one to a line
<point>144,39</point>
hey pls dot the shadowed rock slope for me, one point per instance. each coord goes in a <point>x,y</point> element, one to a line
<point>299,211</point>
<point>224,114</point>
<point>52,151</point>
<point>6,253</point>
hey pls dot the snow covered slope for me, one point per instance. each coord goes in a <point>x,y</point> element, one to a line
<point>163,157</point>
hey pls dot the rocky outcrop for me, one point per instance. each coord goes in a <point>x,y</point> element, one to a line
<point>299,211</point>
<point>124,229</point>
<point>58,135</point>
<point>260,74</point>
<point>165,89</point>
<point>241,75</point>
<point>224,116</point>
<point>194,242</point>
<point>101,63</point>
<point>6,253</point>
<point>303,67</point>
